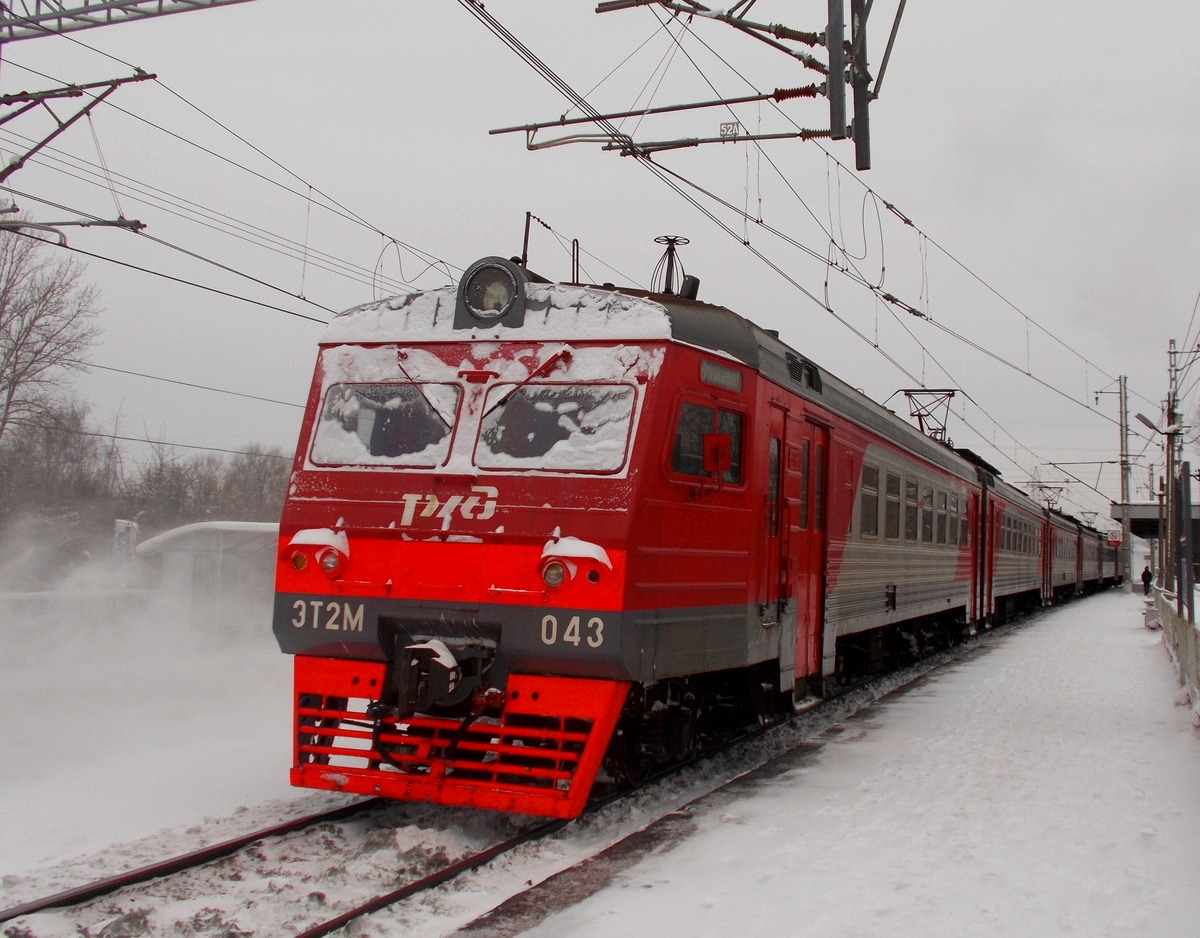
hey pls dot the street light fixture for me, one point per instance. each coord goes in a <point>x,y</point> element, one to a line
<point>1178,517</point>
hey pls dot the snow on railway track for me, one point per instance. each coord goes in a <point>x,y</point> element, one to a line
<point>402,856</point>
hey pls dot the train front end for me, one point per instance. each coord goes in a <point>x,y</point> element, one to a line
<point>450,573</point>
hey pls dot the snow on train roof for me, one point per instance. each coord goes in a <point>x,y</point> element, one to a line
<point>552,312</point>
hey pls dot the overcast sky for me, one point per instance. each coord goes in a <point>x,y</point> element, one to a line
<point>1044,153</point>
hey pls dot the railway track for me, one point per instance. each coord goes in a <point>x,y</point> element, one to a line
<point>689,790</point>
<point>186,861</point>
<point>801,740</point>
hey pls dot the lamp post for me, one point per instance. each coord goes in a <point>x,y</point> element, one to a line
<point>1177,510</point>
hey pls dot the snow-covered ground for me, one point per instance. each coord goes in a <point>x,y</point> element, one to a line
<point>1047,785</point>
<point>116,727</point>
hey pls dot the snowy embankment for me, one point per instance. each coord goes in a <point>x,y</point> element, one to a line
<point>1043,785</point>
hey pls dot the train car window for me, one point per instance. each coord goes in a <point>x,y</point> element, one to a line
<point>773,488</point>
<point>891,513</point>
<point>804,485</point>
<point>962,531</point>
<point>868,520</point>
<point>941,517</point>
<point>386,424</point>
<point>564,427</point>
<point>911,509</point>
<point>927,514</point>
<point>952,532</point>
<point>819,489</point>
<point>687,453</point>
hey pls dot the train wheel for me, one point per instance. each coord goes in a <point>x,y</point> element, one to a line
<point>624,761</point>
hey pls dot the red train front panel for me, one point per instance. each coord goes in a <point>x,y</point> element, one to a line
<point>452,551</point>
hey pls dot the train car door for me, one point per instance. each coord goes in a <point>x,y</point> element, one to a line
<point>776,576</point>
<point>977,554</point>
<point>804,481</point>
<point>1047,559</point>
<point>987,557</point>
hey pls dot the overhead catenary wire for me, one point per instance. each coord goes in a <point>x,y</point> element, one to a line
<point>684,26</point>
<point>890,299</point>
<point>841,247</point>
<point>476,9</point>
<point>857,276</point>
<point>21,422</point>
<point>186,384</point>
<point>327,203</point>
<point>908,221</point>
<point>196,256</point>
<point>211,219</point>
<point>190,283</point>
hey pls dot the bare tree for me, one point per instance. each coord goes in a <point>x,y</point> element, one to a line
<point>55,465</point>
<point>46,325</point>
<point>255,483</point>
<point>160,492</point>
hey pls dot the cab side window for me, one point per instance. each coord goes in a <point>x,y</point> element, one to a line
<point>695,421</point>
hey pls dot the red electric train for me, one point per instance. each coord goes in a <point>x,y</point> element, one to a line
<point>541,533</point>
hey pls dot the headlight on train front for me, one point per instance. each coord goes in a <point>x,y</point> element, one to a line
<point>330,561</point>
<point>490,292</point>
<point>554,574</point>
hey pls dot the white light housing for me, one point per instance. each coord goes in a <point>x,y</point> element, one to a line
<point>490,292</point>
<point>330,561</point>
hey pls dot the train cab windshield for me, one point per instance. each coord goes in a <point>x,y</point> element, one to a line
<point>557,427</point>
<point>390,424</point>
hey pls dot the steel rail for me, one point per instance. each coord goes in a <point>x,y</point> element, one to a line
<point>177,864</point>
<point>445,874</point>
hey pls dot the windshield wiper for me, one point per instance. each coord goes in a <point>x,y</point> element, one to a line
<point>434,409</point>
<point>562,355</point>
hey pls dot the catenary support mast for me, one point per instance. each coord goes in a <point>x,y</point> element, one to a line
<point>30,19</point>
